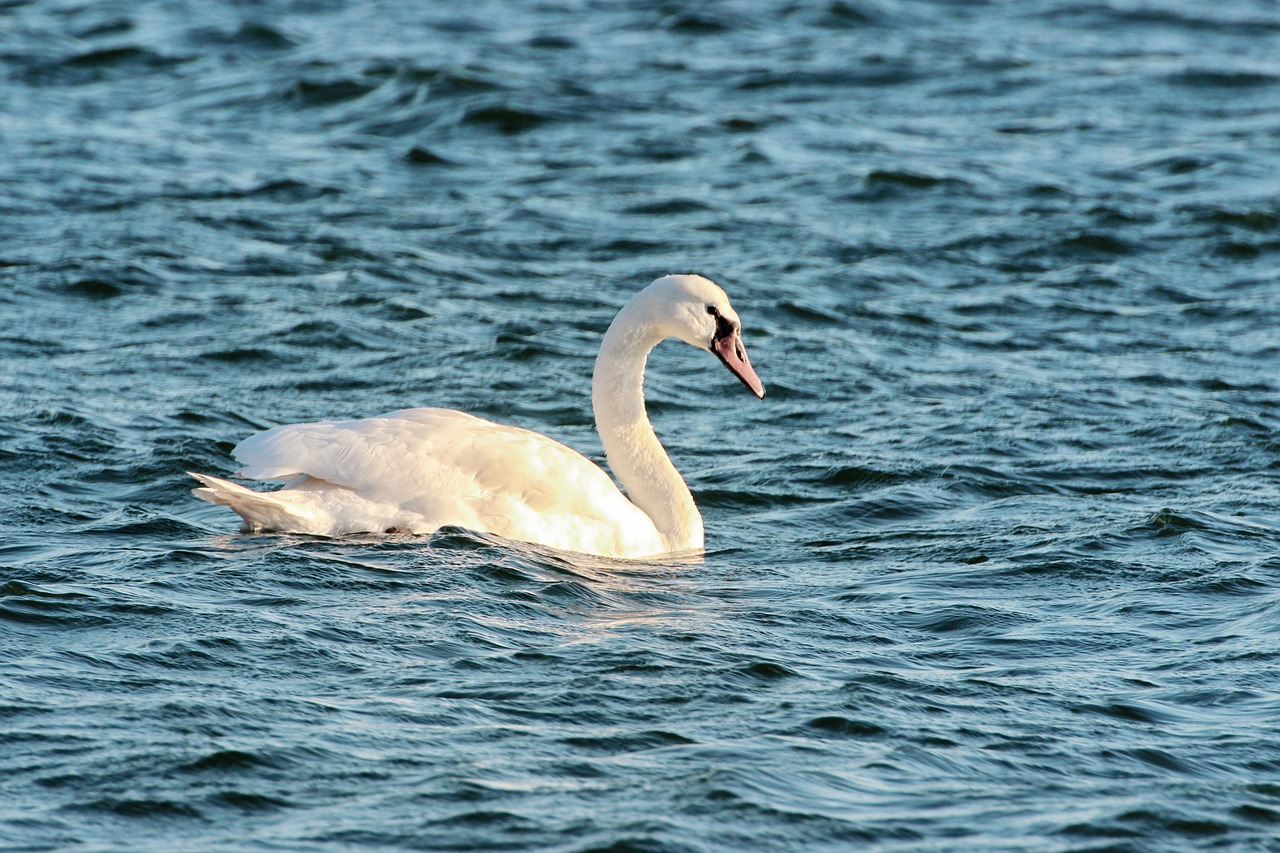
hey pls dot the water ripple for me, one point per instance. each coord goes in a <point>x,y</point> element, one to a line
<point>992,566</point>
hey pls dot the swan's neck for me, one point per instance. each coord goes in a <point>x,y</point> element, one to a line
<point>637,458</point>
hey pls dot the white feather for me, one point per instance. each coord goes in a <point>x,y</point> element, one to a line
<point>416,470</point>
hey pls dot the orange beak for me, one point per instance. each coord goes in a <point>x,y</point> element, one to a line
<point>729,349</point>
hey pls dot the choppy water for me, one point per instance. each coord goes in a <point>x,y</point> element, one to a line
<point>993,567</point>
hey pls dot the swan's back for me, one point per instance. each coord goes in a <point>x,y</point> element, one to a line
<point>417,470</point>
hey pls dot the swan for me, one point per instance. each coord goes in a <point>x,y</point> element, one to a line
<point>417,470</point>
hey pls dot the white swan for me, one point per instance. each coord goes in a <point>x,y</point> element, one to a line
<point>417,470</point>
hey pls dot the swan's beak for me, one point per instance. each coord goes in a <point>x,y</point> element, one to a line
<point>729,349</point>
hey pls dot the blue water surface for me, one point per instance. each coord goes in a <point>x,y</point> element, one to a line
<point>995,566</point>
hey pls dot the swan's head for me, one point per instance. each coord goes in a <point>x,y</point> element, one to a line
<point>695,310</point>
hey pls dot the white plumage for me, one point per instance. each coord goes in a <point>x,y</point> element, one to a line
<point>417,470</point>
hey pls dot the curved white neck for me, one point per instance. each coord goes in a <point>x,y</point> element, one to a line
<point>636,456</point>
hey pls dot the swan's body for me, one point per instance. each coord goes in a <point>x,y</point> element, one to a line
<point>418,470</point>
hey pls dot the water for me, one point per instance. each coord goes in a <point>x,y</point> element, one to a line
<point>992,567</point>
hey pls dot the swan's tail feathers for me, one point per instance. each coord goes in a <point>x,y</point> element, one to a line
<point>260,510</point>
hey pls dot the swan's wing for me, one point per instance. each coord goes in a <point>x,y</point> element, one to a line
<point>395,453</point>
<point>416,451</point>
<point>448,467</point>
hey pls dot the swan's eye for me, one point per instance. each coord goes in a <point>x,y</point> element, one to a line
<point>713,311</point>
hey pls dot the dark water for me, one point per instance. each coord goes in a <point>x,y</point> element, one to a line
<point>993,567</point>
